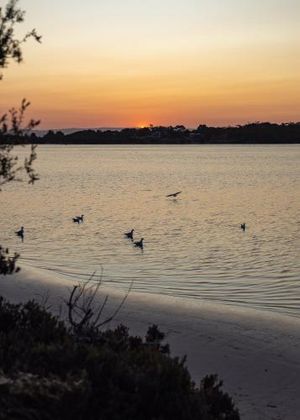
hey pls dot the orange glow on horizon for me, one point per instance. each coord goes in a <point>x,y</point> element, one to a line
<point>142,125</point>
<point>209,64</point>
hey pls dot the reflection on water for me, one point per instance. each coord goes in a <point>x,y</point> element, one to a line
<point>194,246</point>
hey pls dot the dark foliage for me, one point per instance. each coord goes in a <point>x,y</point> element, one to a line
<point>47,373</point>
<point>13,133</point>
<point>12,127</point>
<point>13,130</point>
<point>249,133</point>
<point>10,45</point>
<point>8,262</point>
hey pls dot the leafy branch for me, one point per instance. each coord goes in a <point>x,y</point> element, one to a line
<point>12,133</point>
<point>10,45</point>
<point>13,129</point>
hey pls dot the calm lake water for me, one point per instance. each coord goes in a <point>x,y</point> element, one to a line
<point>194,247</point>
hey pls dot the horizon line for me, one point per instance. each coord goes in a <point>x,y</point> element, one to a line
<point>109,127</point>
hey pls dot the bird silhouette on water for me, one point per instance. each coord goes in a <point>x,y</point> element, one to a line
<point>129,234</point>
<point>174,194</point>
<point>243,226</point>
<point>78,219</point>
<point>139,244</point>
<point>20,233</point>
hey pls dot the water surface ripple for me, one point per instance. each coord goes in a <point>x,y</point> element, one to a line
<point>194,247</point>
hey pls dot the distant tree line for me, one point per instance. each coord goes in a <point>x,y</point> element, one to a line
<point>260,132</point>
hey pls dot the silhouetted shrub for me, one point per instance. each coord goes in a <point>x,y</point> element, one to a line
<point>8,262</point>
<point>47,372</point>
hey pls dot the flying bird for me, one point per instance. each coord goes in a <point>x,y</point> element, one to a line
<point>174,194</point>
<point>129,234</point>
<point>139,244</point>
<point>243,226</point>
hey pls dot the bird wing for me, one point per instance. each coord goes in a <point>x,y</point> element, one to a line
<point>173,194</point>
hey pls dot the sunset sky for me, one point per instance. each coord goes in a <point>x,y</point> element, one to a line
<point>117,63</point>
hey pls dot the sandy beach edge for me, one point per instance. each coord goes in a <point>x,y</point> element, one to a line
<point>255,353</point>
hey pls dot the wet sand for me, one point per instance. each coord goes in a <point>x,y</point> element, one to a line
<point>255,353</point>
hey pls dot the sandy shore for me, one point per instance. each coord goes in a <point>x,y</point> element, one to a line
<point>257,354</point>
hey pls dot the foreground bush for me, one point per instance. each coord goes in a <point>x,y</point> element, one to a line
<point>46,372</point>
